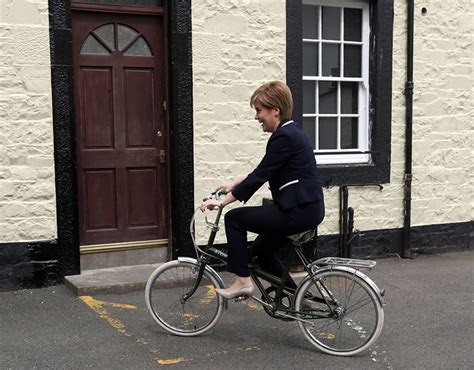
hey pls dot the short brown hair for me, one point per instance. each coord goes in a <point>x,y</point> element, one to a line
<point>274,94</point>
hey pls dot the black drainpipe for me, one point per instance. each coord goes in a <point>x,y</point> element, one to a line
<point>406,253</point>
<point>343,204</point>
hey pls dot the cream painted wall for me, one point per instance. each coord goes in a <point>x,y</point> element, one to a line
<point>27,190</point>
<point>443,116</point>
<point>239,44</point>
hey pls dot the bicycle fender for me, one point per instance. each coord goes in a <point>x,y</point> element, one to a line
<point>208,269</point>
<point>351,271</point>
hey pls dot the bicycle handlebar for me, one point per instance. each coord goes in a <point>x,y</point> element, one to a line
<point>216,194</point>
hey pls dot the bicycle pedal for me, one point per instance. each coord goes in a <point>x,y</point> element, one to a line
<point>241,298</point>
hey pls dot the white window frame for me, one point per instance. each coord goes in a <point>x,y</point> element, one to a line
<point>344,156</point>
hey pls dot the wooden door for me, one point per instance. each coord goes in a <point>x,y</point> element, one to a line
<point>119,75</point>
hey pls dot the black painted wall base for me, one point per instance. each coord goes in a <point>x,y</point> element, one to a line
<point>29,265</point>
<point>440,238</point>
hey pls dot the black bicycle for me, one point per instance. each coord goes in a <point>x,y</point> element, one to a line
<point>338,308</point>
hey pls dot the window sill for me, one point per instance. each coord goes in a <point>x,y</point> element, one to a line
<point>354,174</point>
<point>343,159</point>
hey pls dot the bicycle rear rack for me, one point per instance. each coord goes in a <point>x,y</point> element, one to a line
<point>338,261</point>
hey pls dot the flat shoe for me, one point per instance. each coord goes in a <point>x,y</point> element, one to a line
<point>244,290</point>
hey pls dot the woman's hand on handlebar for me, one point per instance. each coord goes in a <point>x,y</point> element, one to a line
<point>210,204</point>
<point>224,188</point>
<point>227,188</point>
<point>215,200</point>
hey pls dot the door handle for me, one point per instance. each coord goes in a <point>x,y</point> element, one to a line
<point>162,156</point>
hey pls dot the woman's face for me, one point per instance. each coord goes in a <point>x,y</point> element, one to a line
<point>268,117</point>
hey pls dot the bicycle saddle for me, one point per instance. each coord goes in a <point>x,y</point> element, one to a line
<point>303,237</point>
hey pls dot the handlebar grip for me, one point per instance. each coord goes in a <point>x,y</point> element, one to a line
<point>220,192</point>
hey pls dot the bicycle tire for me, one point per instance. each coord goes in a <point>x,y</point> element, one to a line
<point>164,292</point>
<point>358,318</point>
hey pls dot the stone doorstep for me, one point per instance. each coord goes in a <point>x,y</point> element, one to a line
<point>113,280</point>
<point>119,280</point>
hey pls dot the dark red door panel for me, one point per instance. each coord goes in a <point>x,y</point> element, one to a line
<point>100,199</point>
<point>97,110</point>
<point>139,118</point>
<point>143,210</point>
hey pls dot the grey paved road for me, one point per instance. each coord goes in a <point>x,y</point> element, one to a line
<point>428,324</point>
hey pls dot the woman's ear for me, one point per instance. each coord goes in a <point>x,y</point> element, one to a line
<point>276,111</point>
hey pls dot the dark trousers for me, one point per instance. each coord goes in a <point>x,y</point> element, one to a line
<point>272,224</point>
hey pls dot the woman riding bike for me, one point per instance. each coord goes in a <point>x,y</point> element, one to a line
<point>298,205</point>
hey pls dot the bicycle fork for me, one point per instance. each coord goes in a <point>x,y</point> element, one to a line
<point>202,266</point>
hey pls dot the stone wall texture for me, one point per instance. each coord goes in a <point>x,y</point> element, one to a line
<point>239,44</point>
<point>27,190</point>
<point>443,116</point>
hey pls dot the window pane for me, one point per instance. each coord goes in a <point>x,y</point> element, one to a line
<point>328,133</point>
<point>138,48</point>
<point>352,24</point>
<point>125,35</point>
<point>310,21</point>
<point>349,97</point>
<point>327,97</point>
<point>349,133</point>
<point>352,60</point>
<point>331,23</point>
<point>309,97</point>
<point>309,126</point>
<point>310,59</point>
<point>331,60</point>
<point>106,33</point>
<point>92,46</point>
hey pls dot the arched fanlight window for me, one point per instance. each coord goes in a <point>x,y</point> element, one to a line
<point>113,36</point>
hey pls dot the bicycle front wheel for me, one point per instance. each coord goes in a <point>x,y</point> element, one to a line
<point>342,313</point>
<point>166,296</point>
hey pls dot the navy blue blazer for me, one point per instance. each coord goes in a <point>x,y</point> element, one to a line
<point>289,167</point>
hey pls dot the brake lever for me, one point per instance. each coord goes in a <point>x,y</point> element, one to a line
<point>219,192</point>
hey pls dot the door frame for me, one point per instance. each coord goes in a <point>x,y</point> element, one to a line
<point>179,92</point>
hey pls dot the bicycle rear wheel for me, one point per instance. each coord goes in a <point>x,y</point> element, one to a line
<point>165,298</point>
<point>350,323</point>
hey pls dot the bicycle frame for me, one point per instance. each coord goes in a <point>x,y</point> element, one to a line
<point>256,273</point>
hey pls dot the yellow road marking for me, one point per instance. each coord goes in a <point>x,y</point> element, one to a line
<point>92,302</point>
<point>211,294</point>
<point>238,349</point>
<point>252,305</point>
<point>171,361</point>
<point>327,336</point>
<point>99,307</point>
